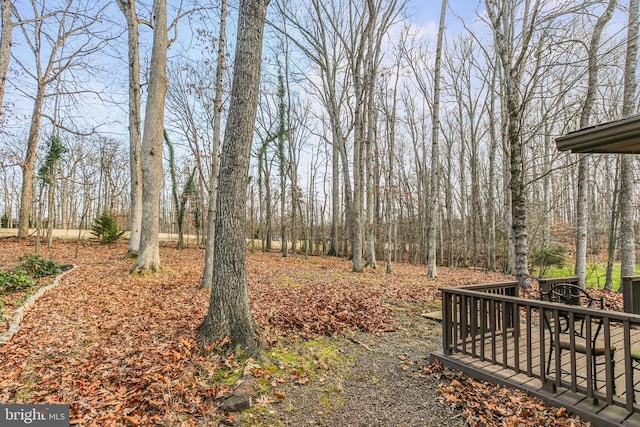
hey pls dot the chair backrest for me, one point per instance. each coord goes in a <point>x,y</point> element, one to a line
<point>570,294</point>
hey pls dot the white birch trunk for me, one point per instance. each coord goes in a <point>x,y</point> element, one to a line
<point>583,162</point>
<point>434,189</point>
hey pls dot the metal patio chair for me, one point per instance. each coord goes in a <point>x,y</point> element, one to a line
<point>570,294</point>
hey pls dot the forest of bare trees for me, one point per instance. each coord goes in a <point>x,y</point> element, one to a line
<point>363,147</point>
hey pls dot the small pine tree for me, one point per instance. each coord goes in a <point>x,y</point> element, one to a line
<point>106,228</point>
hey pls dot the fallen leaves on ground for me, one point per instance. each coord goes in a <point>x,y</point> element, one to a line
<point>486,404</point>
<point>121,349</point>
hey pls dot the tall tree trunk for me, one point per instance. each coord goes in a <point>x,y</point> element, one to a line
<point>52,212</point>
<point>294,213</point>
<point>363,70</point>
<point>516,184</point>
<point>371,63</point>
<point>476,209</point>
<point>148,260</point>
<point>448,203</point>
<point>627,207</point>
<point>261,223</point>
<point>207,275</point>
<point>434,189</point>
<point>26,195</point>
<point>355,221</point>
<point>491,191</point>
<point>282,130</point>
<point>6,36</point>
<point>510,253</point>
<point>269,211</point>
<point>583,162</point>
<point>359,140</point>
<point>128,8</point>
<point>581,220</point>
<point>335,198</point>
<point>370,234</point>
<point>309,249</point>
<point>511,56</point>
<point>613,228</point>
<point>463,257</point>
<point>229,315</point>
<point>546,187</point>
<point>391,126</point>
<point>294,223</point>
<point>174,189</point>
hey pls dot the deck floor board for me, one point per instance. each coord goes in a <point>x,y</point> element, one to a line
<point>492,369</point>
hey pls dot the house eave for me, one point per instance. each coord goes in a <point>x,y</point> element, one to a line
<point>620,136</point>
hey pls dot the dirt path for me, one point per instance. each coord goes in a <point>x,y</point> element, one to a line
<point>383,382</point>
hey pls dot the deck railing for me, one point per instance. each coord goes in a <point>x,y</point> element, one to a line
<point>492,323</point>
<point>631,292</point>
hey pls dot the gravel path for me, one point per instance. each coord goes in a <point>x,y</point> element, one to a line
<point>383,385</point>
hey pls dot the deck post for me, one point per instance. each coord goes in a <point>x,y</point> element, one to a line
<point>631,294</point>
<point>446,322</point>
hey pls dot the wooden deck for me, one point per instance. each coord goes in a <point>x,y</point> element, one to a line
<point>513,351</point>
<point>600,414</point>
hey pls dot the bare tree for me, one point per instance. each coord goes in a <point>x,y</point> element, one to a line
<point>364,46</point>
<point>5,45</point>
<point>280,138</point>
<point>583,163</point>
<point>491,191</point>
<point>319,39</point>
<point>128,8</point>
<point>148,260</point>
<point>229,315</point>
<point>614,220</point>
<point>57,47</point>
<point>512,58</point>
<point>512,63</point>
<point>207,275</point>
<point>391,112</point>
<point>434,188</point>
<point>344,40</point>
<point>468,85</point>
<point>627,207</point>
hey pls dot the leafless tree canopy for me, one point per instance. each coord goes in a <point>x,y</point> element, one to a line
<point>383,131</point>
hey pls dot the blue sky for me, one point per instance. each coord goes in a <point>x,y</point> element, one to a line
<point>423,14</point>
<point>426,13</point>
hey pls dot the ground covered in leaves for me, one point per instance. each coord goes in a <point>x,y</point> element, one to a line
<point>347,348</point>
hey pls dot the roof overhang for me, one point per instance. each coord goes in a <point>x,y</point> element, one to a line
<point>620,136</point>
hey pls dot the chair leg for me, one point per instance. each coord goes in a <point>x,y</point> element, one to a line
<point>595,378</point>
<point>633,371</point>
<point>613,373</point>
<point>595,373</point>
<point>549,360</point>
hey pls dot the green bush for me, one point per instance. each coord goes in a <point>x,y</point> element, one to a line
<point>105,227</point>
<point>14,281</point>
<point>553,255</point>
<point>36,266</point>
